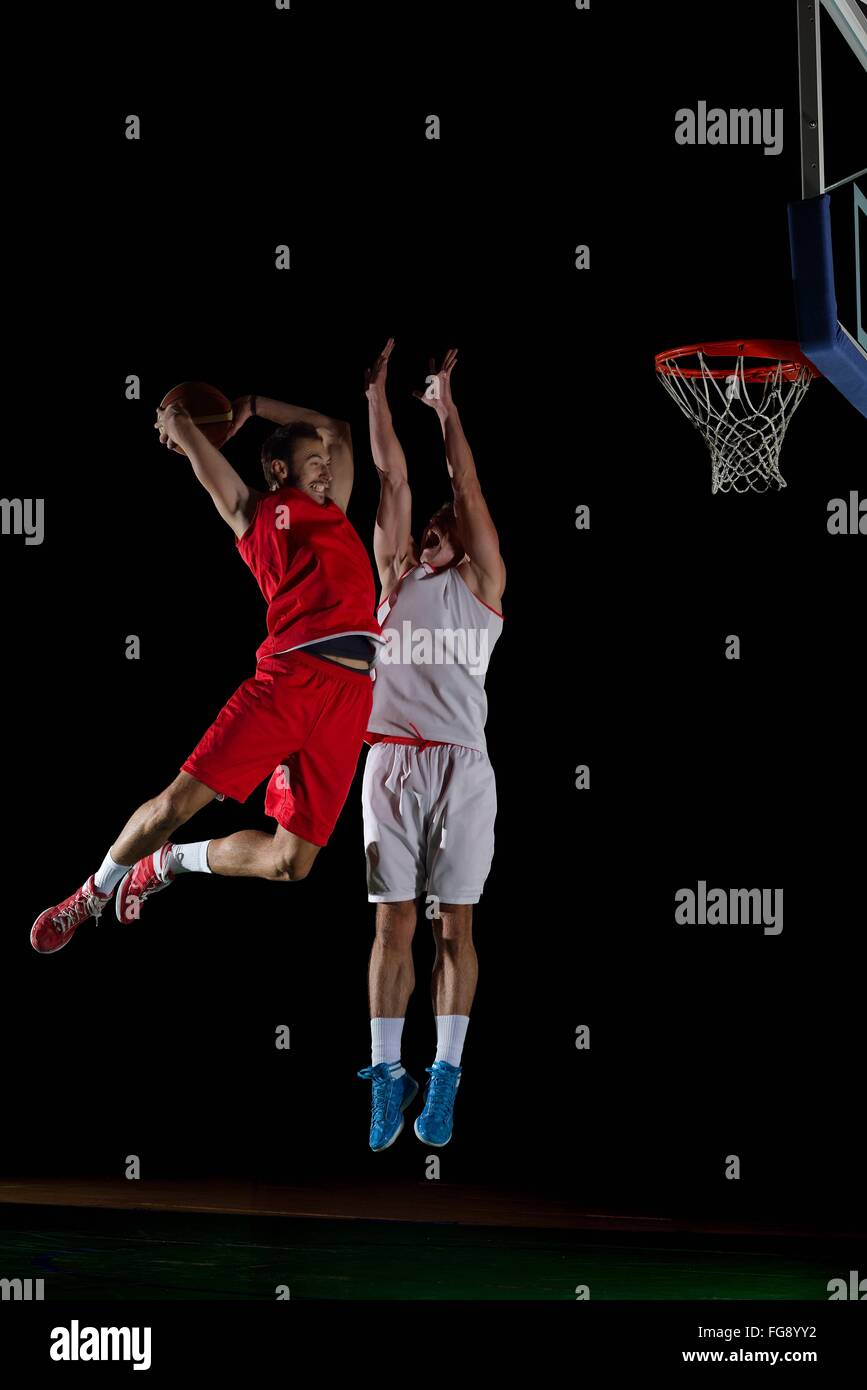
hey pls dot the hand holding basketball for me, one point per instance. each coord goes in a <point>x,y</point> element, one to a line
<point>170,423</point>
<point>202,405</point>
<point>241,413</point>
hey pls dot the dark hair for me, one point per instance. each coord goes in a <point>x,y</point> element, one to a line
<point>445,518</point>
<point>281,445</point>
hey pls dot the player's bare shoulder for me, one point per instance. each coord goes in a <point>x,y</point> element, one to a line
<point>490,593</point>
<point>391,576</point>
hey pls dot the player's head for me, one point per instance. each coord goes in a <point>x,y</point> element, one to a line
<point>295,456</point>
<point>440,539</point>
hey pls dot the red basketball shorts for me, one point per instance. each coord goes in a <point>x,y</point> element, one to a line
<point>300,718</point>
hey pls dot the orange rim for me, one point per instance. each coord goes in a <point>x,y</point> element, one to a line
<point>776,353</point>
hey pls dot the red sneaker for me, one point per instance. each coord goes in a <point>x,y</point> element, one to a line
<point>148,876</point>
<point>56,925</point>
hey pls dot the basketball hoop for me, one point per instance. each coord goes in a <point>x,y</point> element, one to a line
<point>742,409</point>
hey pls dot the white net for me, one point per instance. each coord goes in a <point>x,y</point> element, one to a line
<point>743,420</point>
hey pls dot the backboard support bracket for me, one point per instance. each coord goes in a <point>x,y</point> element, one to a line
<point>810,78</point>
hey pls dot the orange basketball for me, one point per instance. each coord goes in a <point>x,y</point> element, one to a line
<point>209,408</point>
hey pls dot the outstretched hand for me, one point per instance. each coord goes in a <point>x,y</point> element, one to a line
<point>438,392</point>
<point>374,377</point>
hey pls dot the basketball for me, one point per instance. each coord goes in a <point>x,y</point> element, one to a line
<point>208,407</point>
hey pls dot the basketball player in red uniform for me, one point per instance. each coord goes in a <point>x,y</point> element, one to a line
<point>302,716</point>
<point>429,792</point>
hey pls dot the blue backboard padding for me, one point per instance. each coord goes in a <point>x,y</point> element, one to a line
<point>820,334</point>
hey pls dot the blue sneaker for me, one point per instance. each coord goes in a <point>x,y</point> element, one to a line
<point>434,1124</point>
<point>390,1098</point>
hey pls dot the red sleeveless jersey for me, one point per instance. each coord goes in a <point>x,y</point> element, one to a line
<point>312,568</point>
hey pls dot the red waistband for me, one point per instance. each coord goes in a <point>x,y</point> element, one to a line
<point>417,742</point>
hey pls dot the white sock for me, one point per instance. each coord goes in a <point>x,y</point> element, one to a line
<point>385,1042</point>
<point>109,874</point>
<point>451,1031</point>
<point>188,859</point>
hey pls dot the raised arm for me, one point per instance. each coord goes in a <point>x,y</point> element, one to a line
<point>475,524</point>
<point>336,435</point>
<point>234,500</point>
<point>392,542</point>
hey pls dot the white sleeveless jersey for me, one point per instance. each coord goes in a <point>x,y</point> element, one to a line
<point>430,673</point>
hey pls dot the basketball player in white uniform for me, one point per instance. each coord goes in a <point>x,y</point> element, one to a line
<point>429,794</point>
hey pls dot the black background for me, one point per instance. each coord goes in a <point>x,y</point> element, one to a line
<point>156,258</point>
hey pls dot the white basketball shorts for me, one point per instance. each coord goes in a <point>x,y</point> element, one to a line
<point>428,822</point>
